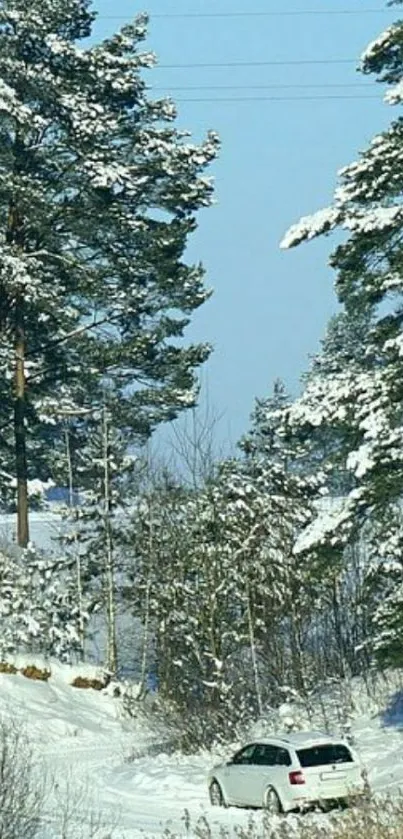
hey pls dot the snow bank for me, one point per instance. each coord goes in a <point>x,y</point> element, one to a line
<point>66,673</point>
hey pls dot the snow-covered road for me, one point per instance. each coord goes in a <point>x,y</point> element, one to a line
<point>88,750</point>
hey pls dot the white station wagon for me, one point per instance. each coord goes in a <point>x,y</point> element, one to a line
<point>289,772</point>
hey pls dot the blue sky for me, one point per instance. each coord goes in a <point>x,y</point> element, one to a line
<point>279,161</point>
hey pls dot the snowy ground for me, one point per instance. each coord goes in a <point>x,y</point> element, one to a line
<point>87,747</point>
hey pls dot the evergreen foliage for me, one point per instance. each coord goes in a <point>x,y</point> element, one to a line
<point>98,195</point>
<point>39,613</point>
<point>358,397</point>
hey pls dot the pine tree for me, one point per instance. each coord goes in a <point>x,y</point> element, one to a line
<point>98,194</point>
<point>323,420</point>
<point>365,391</point>
<point>268,418</point>
<point>329,381</point>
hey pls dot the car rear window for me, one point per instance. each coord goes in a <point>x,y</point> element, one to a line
<point>322,755</point>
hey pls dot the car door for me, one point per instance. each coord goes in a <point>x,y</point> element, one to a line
<point>269,769</point>
<point>264,759</point>
<point>237,775</point>
<point>281,770</point>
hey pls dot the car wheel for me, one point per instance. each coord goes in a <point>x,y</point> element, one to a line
<point>357,800</point>
<point>216,795</point>
<point>272,802</point>
<point>344,803</point>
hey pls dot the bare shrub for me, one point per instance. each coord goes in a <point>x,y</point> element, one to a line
<point>77,815</point>
<point>31,803</point>
<point>177,730</point>
<point>87,684</point>
<point>7,667</point>
<point>22,787</point>
<point>150,713</point>
<point>379,818</point>
<point>35,673</point>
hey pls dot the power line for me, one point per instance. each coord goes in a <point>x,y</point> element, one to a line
<point>291,13</point>
<point>278,98</point>
<point>359,85</point>
<point>280,63</point>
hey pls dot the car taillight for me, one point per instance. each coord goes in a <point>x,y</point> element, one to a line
<point>296,777</point>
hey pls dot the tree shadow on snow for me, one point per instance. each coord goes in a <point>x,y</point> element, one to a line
<point>392,716</point>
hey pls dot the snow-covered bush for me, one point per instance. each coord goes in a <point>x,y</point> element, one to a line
<point>38,611</point>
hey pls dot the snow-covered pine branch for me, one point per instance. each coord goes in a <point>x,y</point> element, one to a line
<point>99,193</point>
<point>353,393</point>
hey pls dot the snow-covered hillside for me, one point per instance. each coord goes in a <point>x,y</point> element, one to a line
<point>87,745</point>
<point>45,528</point>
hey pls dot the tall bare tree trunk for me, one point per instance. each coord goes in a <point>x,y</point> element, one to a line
<point>19,427</point>
<point>252,644</point>
<point>77,556</point>
<point>146,624</point>
<point>146,638</point>
<point>112,657</point>
<point>338,626</point>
